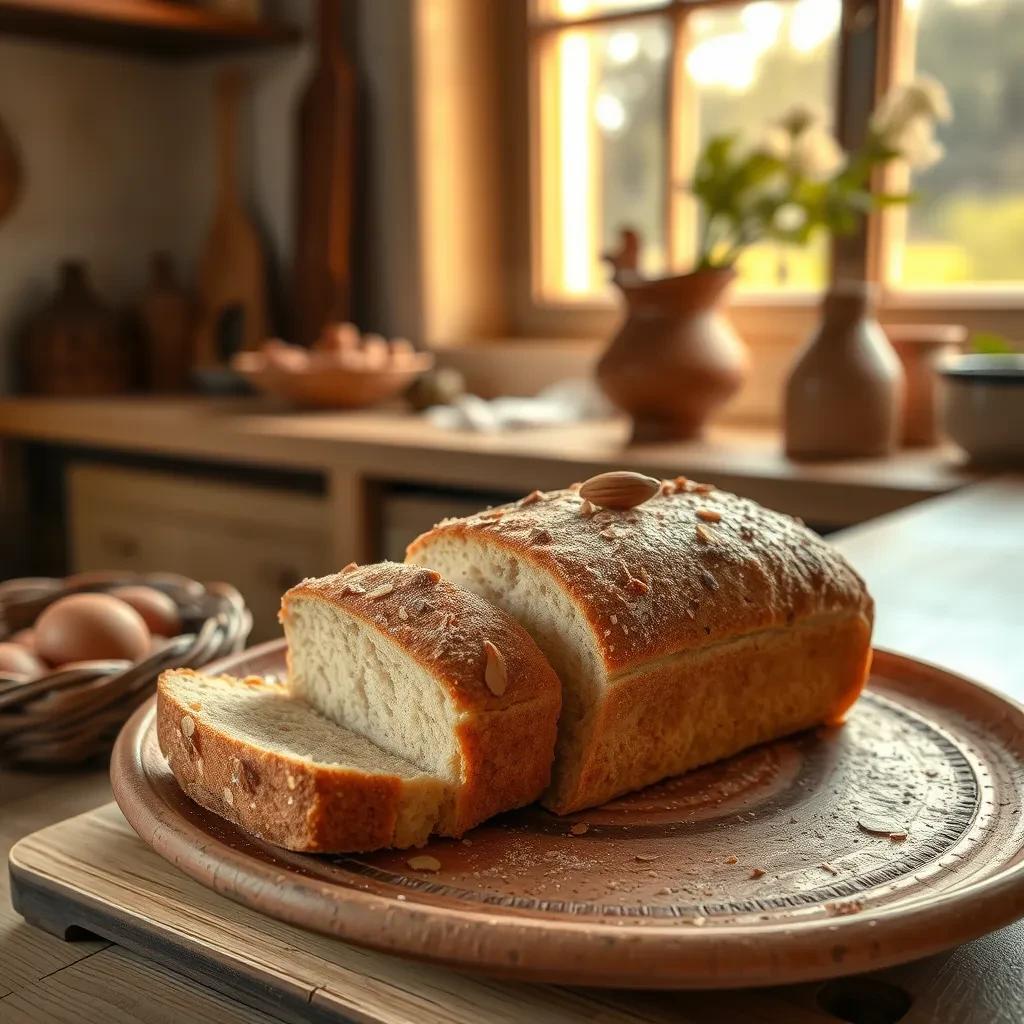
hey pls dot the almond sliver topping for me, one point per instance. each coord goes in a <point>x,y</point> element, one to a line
<point>495,672</point>
<point>619,490</point>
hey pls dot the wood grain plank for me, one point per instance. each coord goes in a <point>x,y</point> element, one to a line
<point>184,924</point>
<point>32,801</point>
<point>116,986</point>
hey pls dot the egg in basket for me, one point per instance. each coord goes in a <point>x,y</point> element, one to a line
<point>343,370</point>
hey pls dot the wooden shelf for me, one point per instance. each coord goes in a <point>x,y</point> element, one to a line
<point>154,27</point>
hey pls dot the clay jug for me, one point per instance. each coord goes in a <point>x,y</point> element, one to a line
<point>675,358</point>
<point>75,345</point>
<point>844,395</point>
<point>166,315</point>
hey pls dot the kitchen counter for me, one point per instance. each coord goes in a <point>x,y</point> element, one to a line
<point>946,575</point>
<point>353,450</point>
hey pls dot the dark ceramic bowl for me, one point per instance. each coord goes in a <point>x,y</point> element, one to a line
<point>983,406</point>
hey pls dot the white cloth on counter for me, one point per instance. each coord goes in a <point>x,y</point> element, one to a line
<point>567,401</point>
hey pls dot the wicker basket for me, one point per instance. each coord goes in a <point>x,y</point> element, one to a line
<point>71,716</point>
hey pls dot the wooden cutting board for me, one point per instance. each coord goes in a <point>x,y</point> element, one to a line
<point>91,875</point>
<point>893,837</point>
<point>326,180</point>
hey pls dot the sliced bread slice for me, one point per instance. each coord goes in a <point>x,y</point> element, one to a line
<point>249,752</point>
<point>433,673</point>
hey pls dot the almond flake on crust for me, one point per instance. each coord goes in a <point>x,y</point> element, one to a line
<point>381,591</point>
<point>531,498</point>
<point>495,670</point>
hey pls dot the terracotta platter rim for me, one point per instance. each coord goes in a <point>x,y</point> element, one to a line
<point>573,951</point>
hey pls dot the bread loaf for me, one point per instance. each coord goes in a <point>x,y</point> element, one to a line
<point>432,673</point>
<point>684,629</point>
<point>247,751</point>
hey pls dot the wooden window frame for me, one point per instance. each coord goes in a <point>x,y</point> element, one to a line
<point>867,66</point>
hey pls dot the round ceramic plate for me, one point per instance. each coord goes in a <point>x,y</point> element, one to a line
<point>890,838</point>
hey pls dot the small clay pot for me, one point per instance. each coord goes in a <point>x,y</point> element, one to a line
<point>920,348</point>
<point>675,359</point>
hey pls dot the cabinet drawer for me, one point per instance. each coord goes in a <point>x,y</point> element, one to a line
<point>260,540</point>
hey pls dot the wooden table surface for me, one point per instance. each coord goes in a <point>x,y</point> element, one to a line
<point>948,577</point>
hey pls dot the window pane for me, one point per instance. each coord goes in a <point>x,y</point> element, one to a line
<point>585,8</point>
<point>746,66</point>
<point>610,86</point>
<point>968,223</point>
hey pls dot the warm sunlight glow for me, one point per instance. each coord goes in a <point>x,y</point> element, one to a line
<point>578,243</point>
<point>813,22</point>
<point>623,47</point>
<point>609,113</point>
<point>729,61</point>
<point>763,20</point>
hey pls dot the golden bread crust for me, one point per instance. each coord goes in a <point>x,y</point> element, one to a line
<point>713,703</point>
<point>690,567</point>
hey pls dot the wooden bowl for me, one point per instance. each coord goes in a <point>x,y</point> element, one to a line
<point>73,714</point>
<point>336,387</point>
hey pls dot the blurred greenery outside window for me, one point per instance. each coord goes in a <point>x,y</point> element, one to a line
<point>633,89</point>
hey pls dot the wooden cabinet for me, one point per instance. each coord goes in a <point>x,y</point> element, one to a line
<point>404,516</point>
<point>260,539</point>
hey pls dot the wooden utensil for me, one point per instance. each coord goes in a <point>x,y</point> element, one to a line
<point>891,838</point>
<point>11,177</point>
<point>326,167</point>
<point>232,272</point>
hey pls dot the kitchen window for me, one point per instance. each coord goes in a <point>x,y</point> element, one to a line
<point>623,94</point>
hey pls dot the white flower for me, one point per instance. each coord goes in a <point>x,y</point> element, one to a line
<point>801,117</point>
<point>918,145</point>
<point>930,97</point>
<point>923,99</point>
<point>816,154</point>
<point>775,142</point>
<point>790,217</point>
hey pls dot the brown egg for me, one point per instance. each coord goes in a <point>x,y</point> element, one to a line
<point>286,358</point>
<point>87,627</point>
<point>20,661</point>
<point>159,611</point>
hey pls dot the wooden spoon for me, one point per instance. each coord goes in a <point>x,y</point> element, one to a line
<point>10,173</point>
